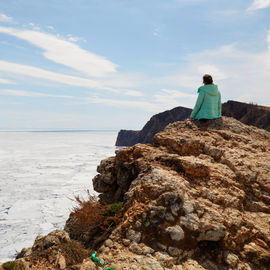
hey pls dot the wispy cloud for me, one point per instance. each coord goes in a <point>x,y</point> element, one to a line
<point>22,93</point>
<point>165,99</point>
<point>5,18</point>
<point>52,76</point>
<point>74,39</point>
<point>241,75</point>
<point>259,4</point>
<point>65,52</point>
<point>212,69</point>
<point>174,98</point>
<point>5,81</point>
<point>133,93</point>
<point>144,105</point>
<point>38,73</point>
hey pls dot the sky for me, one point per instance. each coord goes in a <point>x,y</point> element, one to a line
<point>100,64</point>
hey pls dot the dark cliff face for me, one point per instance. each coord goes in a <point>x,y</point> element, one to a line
<point>249,114</point>
<point>157,123</point>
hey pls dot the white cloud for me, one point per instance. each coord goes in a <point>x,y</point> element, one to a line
<point>74,39</point>
<point>22,93</point>
<point>133,93</point>
<point>174,98</point>
<point>144,105</point>
<point>34,72</point>
<point>164,100</point>
<point>34,26</point>
<point>5,18</point>
<point>259,4</point>
<point>214,70</point>
<point>64,52</point>
<point>4,81</point>
<point>51,76</point>
<point>241,75</point>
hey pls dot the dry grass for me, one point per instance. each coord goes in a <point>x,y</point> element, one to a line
<point>14,265</point>
<point>91,221</point>
<point>74,252</point>
<point>89,213</point>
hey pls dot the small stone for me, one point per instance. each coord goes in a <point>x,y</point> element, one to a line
<point>138,224</point>
<point>247,266</point>
<point>101,249</point>
<point>176,233</point>
<point>188,207</point>
<point>190,221</point>
<point>192,265</point>
<point>214,234</point>
<point>174,251</point>
<point>108,243</point>
<point>161,246</point>
<point>175,208</point>
<point>144,215</point>
<point>133,236</point>
<point>165,259</point>
<point>177,267</point>
<point>169,217</point>
<point>126,242</point>
<point>231,259</point>
<point>147,250</point>
<point>170,197</point>
<point>88,265</point>
<point>135,248</point>
<point>147,223</point>
<point>61,262</point>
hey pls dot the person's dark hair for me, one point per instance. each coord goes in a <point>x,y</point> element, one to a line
<point>207,79</point>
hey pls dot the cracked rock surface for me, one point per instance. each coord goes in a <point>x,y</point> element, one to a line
<point>201,193</point>
<point>197,198</point>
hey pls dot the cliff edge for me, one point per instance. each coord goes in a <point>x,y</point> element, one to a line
<point>249,114</point>
<point>196,199</point>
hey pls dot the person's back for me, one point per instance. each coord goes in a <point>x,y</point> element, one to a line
<point>208,104</point>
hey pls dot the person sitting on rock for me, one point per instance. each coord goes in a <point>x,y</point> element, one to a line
<point>208,104</point>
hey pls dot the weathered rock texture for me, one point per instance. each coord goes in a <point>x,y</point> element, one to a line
<point>249,114</point>
<point>197,199</point>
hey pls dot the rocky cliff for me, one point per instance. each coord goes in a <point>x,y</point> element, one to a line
<point>157,123</point>
<point>249,114</point>
<point>197,198</point>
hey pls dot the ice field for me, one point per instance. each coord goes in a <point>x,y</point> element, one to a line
<point>39,173</point>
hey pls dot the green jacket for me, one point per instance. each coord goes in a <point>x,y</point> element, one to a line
<point>208,104</point>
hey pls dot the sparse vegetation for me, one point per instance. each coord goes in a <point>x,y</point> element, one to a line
<point>74,252</point>
<point>89,212</point>
<point>9,265</point>
<point>115,208</point>
<point>91,221</point>
<point>14,265</point>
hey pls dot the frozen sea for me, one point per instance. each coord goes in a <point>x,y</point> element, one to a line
<point>39,173</point>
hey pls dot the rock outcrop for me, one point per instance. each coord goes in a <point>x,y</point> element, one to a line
<point>249,114</point>
<point>196,199</point>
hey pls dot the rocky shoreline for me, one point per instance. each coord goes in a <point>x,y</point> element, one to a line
<point>196,199</point>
